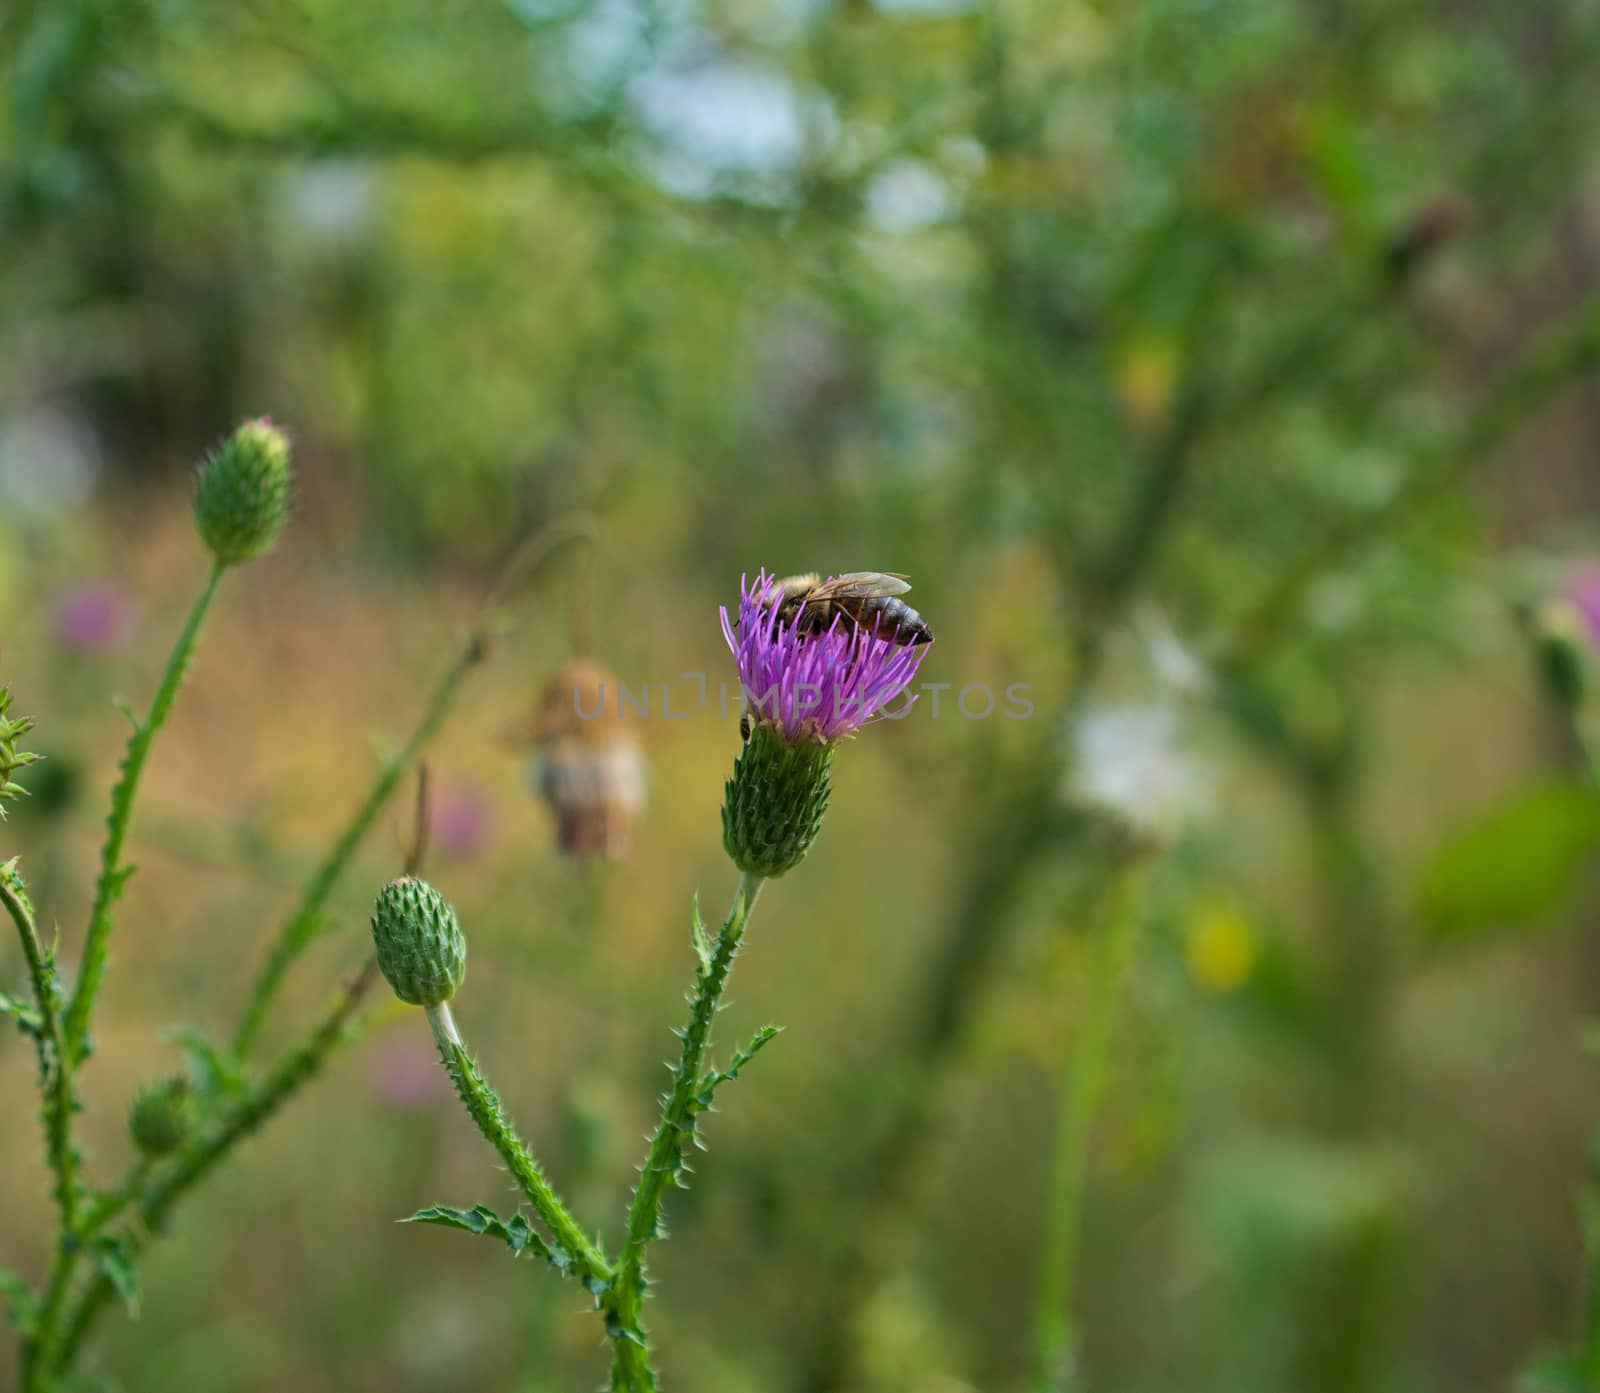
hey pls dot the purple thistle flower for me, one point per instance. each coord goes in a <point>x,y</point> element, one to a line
<point>1583,590</point>
<point>405,1074</point>
<point>461,820</point>
<point>94,618</point>
<point>815,686</point>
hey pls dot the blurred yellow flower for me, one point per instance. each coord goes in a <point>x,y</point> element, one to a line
<point>1221,949</point>
<point>1146,376</point>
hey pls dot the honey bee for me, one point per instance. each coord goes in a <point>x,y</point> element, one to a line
<point>867,600</point>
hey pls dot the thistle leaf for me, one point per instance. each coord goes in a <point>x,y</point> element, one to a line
<point>516,1233</point>
<point>210,1071</point>
<point>697,932</point>
<point>717,1077</point>
<point>111,1256</point>
<point>11,758</point>
<point>20,1305</point>
<point>26,1017</point>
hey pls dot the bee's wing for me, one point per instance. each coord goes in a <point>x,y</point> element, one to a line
<point>861,585</point>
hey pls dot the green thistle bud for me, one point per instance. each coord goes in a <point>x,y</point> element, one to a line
<point>772,807</point>
<point>243,493</point>
<point>421,948</point>
<point>161,1118</point>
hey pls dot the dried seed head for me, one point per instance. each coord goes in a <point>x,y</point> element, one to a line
<point>161,1118</point>
<point>588,766</point>
<point>420,946</point>
<point>243,493</point>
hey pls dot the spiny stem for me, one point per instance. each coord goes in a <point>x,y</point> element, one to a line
<point>1083,1083</point>
<point>301,927</point>
<point>53,1056</point>
<point>631,1364</point>
<point>483,1105</point>
<point>113,874</point>
<point>56,1062</point>
<point>173,1179</point>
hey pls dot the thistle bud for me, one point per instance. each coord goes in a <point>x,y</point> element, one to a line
<point>773,805</point>
<point>243,493</point>
<point>420,946</point>
<point>161,1118</point>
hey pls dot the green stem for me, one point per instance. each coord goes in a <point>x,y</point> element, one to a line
<point>175,1178</point>
<point>1082,1086</point>
<point>113,875</point>
<point>483,1105</point>
<point>59,1105</point>
<point>1587,1369</point>
<point>111,1203</point>
<point>631,1372</point>
<point>302,925</point>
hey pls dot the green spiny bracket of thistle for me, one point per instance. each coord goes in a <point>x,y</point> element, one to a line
<point>805,691</point>
<point>243,493</point>
<point>12,729</point>
<point>422,952</point>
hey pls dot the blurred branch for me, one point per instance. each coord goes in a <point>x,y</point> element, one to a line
<point>358,127</point>
<point>417,851</point>
<point>1560,355</point>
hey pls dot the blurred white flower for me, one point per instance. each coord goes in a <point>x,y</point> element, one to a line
<point>1132,761</point>
<point>332,200</point>
<point>1173,661</point>
<point>49,462</point>
<point>907,195</point>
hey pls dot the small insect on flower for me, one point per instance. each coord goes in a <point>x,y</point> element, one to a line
<point>865,599</point>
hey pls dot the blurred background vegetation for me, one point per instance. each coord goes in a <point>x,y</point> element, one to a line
<point>1221,371</point>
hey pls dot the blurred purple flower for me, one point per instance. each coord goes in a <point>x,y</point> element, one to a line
<point>94,618</point>
<point>405,1073</point>
<point>813,686</point>
<point>461,819</point>
<point>1584,592</point>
